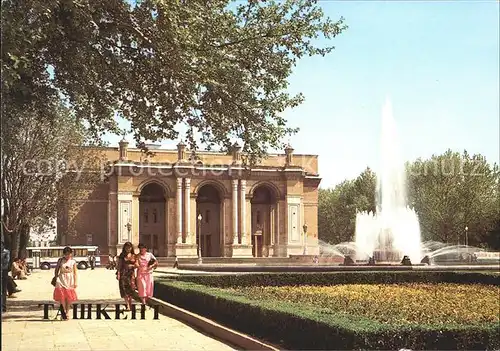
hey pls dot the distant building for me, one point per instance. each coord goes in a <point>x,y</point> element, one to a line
<point>245,211</point>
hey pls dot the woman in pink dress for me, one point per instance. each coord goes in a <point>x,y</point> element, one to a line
<point>66,281</point>
<point>146,262</point>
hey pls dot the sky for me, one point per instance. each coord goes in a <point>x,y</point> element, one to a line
<point>437,62</point>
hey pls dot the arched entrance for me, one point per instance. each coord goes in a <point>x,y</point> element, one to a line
<point>152,220</point>
<point>263,202</point>
<point>208,204</point>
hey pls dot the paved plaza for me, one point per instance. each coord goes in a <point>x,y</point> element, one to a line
<point>24,327</point>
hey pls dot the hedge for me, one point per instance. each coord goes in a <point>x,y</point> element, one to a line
<point>309,329</point>
<point>284,279</point>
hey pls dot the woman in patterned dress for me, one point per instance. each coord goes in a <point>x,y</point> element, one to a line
<point>146,262</point>
<point>125,273</point>
<point>66,281</point>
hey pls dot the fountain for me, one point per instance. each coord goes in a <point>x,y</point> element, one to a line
<point>393,231</point>
<point>329,250</point>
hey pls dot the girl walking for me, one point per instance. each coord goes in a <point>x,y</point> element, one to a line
<point>65,281</point>
<point>125,273</point>
<point>146,263</point>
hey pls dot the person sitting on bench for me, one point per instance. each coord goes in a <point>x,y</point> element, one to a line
<point>24,266</point>
<point>17,270</point>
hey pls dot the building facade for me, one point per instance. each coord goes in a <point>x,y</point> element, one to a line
<point>178,203</point>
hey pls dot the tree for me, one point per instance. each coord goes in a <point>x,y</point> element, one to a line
<point>327,200</point>
<point>37,152</point>
<point>453,191</point>
<point>219,67</point>
<point>365,187</point>
<point>337,207</point>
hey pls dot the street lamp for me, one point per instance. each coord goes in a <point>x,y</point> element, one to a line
<point>200,260</point>
<point>466,236</point>
<point>305,238</point>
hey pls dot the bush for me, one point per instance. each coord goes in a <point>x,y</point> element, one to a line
<point>308,328</point>
<point>334,278</point>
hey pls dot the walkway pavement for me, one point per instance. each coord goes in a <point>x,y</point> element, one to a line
<point>23,326</point>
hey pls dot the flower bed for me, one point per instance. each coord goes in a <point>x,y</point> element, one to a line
<point>363,315</point>
<point>407,304</point>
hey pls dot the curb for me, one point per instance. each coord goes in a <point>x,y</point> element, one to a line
<point>210,327</point>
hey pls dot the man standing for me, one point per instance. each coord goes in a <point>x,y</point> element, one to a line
<point>92,261</point>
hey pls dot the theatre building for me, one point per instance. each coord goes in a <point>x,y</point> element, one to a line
<point>175,200</point>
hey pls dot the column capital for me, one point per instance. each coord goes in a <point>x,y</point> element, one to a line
<point>187,180</point>
<point>179,182</point>
<point>243,183</point>
<point>234,182</point>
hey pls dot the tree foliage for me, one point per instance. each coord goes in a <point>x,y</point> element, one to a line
<point>338,207</point>
<point>37,151</point>
<point>453,191</point>
<point>450,191</point>
<point>220,67</point>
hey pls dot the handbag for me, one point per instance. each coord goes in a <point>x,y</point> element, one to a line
<point>56,273</point>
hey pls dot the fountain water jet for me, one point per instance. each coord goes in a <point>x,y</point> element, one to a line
<point>393,231</point>
<point>329,250</point>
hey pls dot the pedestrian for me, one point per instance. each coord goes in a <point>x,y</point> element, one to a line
<point>5,275</point>
<point>11,287</point>
<point>65,281</point>
<point>92,262</point>
<point>125,273</point>
<point>146,262</point>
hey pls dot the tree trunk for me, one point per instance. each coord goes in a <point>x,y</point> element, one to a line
<point>23,240</point>
<point>14,247</point>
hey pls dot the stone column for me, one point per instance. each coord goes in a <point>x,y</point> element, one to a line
<point>187,207</point>
<point>135,220</point>
<point>277,229</point>
<point>193,221</point>
<point>179,210</point>
<point>111,223</point>
<point>272,219</point>
<point>235,211</point>
<point>243,189</point>
<point>166,215</point>
<point>223,226</point>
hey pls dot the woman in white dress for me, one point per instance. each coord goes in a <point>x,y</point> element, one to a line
<point>66,281</point>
